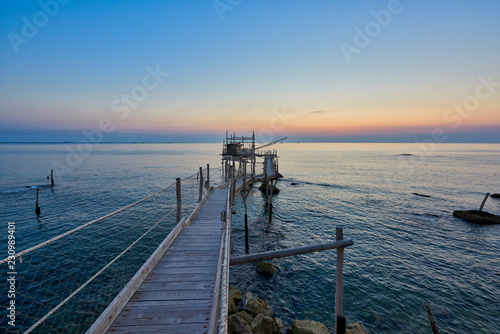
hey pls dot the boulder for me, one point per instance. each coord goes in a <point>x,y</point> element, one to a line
<point>263,188</point>
<point>355,329</point>
<point>236,325</point>
<point>495,195</point>
<point>256,306</point>
<point>267,268</point>
<point>234,294</point>
<point>478,217</point>
<point>308,327</point>
<point>279,323</point>
<point>262,324</point>
<point>243,315</point>
<point>231,306</point>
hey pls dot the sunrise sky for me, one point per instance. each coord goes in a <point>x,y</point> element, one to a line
<point>190,70</point>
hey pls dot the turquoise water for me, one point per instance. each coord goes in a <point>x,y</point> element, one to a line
<point>407,248</point>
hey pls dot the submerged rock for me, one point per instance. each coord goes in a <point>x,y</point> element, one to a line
<point>355,329</point>
<point>237,325</point>
<point>478,217</point>
<point>495,195</point>
<point>262,324</point>
<point>308,327</point>
<point>263,188</point>
<point>267,268</point>
<point>421,195</point>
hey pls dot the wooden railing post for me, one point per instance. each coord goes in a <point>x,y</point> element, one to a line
<point>201,185</point>
<point>179,198</point>
<point>340,320</point>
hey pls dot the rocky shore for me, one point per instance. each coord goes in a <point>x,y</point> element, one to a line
<point>250,315</point>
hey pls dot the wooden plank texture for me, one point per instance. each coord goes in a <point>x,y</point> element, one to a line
<point>177,294</point>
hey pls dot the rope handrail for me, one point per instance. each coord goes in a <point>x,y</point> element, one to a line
<point>223,314</point>
<point>95,275</point>
<point>29,250</point>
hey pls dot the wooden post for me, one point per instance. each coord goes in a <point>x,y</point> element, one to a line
<point>339,290</point>
<point>431,318</point>
<point>179,198</point>
<point>208,176</point>
<point>484,201</point>
<point>52,177</point>
<point>244,195</point>
<point>37,208</point>
<point>201,185</point>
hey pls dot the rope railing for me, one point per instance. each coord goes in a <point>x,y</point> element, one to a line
<point>63,284</point>
<point>223,310</point>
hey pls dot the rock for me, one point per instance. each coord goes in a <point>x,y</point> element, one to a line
<point>420,195</point>
<point>231,306</point>
<point>478,217</point>
<point>279,323</point>
<point>267,268</point>
<point>244,315</point>
<point>263,188</point>
<point>308,327</point>
<point>236,325</point>
<point>262,324</point>
<point>256,306</point>
<point>495,195</point>
<point>355,329</point>
<point>235,294</point>
<point>293,184</point>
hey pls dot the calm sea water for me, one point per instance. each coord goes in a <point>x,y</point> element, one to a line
<point>408,249</point>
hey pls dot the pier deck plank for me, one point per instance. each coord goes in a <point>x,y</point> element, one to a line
<point>176,296</point>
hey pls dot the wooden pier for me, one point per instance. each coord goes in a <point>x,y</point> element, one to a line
<point>177,290</point>
<point>183,286</point>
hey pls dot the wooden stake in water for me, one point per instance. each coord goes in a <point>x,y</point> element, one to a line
<point>37,208</point>
<point>179,198</point>
<point>52,177</point>
<point>208,176</point>
<point>431,318</point>
<point>340,320</point>
<point>201,185</point>
<point>484,201</point>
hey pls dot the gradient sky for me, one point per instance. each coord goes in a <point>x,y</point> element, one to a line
<point>276,67</point>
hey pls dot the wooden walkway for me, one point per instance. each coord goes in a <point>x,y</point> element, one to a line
<point>179,293</point>
<point>177,289</point>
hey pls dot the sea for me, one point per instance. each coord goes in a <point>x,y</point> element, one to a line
<point>395,201</point>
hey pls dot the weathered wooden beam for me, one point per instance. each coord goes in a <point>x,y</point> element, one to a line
<point>289,252</point>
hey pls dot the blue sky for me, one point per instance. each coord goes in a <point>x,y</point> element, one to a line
<point>263,60</point>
